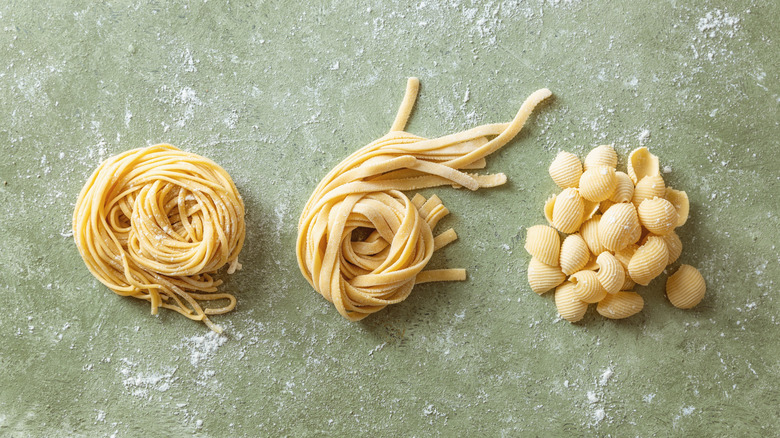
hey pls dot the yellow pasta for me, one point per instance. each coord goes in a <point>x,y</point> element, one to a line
<point>618,226</point>
<point>566,170</point>
<point>569,306</point>
<point>591,265</point>
<point>568,211</point>
<point>364,194</point>
<point>642,163</point>
<point>591,208</point>
<point>587,286</point>
<point>155,223</point>
<point>624,255</point>
<point>674,245</point>
<point>648,261</point>
<point>549,205</point>
<point>679,200</point>
<point>543,277</point>
<point>624,189</point>
<point>628,284</point>
<point>611,274</point>
<point>686,287</point>
<point>603,155</point>
<point>620,305</point>
<point>648,188</point>
<point>574,254</point>
<point>598,183</point>
<point>543,243</point>
<point>590,233</point>
<point>657,215</point>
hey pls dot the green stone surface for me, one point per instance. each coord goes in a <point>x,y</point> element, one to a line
<point>280,92</point>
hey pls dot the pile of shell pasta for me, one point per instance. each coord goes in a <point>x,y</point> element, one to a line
<point>619,231</point>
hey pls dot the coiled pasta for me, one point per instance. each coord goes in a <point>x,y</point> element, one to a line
<point>363,195</point>
<point>154,223</point>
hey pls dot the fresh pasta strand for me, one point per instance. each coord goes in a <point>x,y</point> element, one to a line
<point>362,244</point>
<point>154,223</point>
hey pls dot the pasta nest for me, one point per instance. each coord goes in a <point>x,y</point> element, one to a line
<point>362,243</point>
<point>155,223</point>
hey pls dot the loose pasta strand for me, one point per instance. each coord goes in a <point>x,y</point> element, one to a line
<point>153,223</point>
<point>361,276</point>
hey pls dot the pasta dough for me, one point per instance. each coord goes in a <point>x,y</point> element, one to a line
<point>362,244</point>
<point>154,223</point>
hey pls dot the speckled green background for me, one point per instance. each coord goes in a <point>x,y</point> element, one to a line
<point>278,94</point>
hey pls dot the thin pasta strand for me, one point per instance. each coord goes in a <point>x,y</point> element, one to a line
<point>153,223</point>
<point>361,276</point>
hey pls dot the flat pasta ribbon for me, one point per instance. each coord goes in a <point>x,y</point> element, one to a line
<point>362,244</point>
<point>154,223</point>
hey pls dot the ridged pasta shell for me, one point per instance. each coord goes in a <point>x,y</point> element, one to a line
<point>566,170</point>
<point>679,199</point>
<point>590,233</point>
<point>620,305</point>
<point>648,188</point>
<point>548,208</point>
<point>618,226</point>
<point>598,183</point>
<point>674,245</point>
<point>611,274</point>
<point>603,155</point>
<point>543,277</point>
<point>686,287</point>
<point>625,254</point>
<point>628,284</point>
<point>642,163</point>
<point>657,215</point>
<point>569,306</point>
<point>574,254</point>
<point>543,243</point>
<point>568,211</point>
<point>648,261</point>
<point>624,191</point>
<point>587,286</point>
<point>591,208</point>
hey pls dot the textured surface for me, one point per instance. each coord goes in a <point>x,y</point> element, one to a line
<point>278,95</point>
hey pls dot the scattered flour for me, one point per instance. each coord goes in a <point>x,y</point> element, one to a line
<point>203,347</point>
<point>715,22</point>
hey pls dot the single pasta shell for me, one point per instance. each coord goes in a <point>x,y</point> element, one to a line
<point>590,232</point>
<point>686,287</point>
<point>566,170</point>
<point>648,188</point>
<point>544,244</point>
<point>603,155</point>
<point>674,245</point>
<point>624,190</point>
<point>618,226</point>
<point>642,163</point>
<point>679,199</point>
<point>587,286</point>
<point>543,277</point>
<point>570,307</point>
<point>620,305</point>
<point>657,215</point>
<point>591,208</point>
<point>548,208</point>
<point>598,183</point>
<point>568,211</point>
<point>611,274</point>
<point>624,255</point>
<point>574,254</point>
<point>648,261</point>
